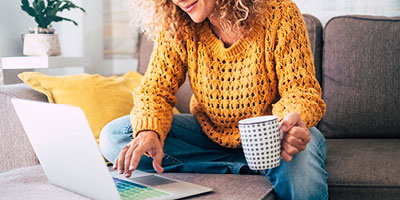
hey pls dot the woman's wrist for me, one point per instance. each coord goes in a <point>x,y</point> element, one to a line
<point>148,133</point>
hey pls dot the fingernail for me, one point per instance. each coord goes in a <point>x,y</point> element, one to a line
<point>120,171</point>
<point>131,168</point>
<point>283,127</point>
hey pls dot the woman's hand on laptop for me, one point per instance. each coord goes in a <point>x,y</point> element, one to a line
<point>129,157</point>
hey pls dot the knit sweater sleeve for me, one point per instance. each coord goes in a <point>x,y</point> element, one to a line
<point>298,88</point>
<point>155,98</point>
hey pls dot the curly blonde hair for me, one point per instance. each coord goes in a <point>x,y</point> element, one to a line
<point>155,16</point>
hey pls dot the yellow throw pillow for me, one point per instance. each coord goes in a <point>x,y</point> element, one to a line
<point>103,99</point>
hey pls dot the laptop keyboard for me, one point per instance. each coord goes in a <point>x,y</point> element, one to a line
<point>129,190</point>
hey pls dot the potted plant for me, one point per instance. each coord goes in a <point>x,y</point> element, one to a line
<point>42,40</point>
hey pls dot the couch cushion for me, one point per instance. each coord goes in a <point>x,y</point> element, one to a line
<point>363,168</point>
<point>361,86</point>
<point>31,183</point>
<point>314,29</point>
<point>184,93</point>
<point>15,148</point>
<point>103,99</point>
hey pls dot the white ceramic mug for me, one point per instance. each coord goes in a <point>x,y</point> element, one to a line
<point>261,142</point>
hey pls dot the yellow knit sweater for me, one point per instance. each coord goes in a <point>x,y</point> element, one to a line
<point>269,72</point>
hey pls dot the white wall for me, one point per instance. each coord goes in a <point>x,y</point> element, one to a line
<point>71,41</point>
<point>120,37</point>
<point>326,9</point>
<point>13,23</point>
<point>93,36</point>
<point>1,72</point>
<point>87,39</point>
<point>83,40</point>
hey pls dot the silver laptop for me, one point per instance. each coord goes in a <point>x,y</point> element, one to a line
<point>69,155</point>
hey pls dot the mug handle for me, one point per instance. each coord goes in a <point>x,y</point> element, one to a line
<point>280,135</point>
<point>280,124</point>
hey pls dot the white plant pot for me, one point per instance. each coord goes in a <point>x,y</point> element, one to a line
<point>41,45</point>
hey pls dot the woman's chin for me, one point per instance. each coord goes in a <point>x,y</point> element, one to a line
<point>197,19</point>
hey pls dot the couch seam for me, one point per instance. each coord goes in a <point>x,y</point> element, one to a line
<point>374,18</point>
<point>315,38</point>
<point>271,190</point>
<point>360,185</point>
<point>363,17</point>
<point>388,19</point>
<point>8,94</point>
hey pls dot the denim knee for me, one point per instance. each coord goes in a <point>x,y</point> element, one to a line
<point>114,136</point>
<point>318,141</point>
<point>304,177</point>
<point>317,134</point>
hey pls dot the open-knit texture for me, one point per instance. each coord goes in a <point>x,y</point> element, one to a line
<point>270,71</point>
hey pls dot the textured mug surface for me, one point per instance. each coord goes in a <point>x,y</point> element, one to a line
<point>261,142</point>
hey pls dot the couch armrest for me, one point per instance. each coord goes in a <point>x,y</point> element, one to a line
<point>15,148</point>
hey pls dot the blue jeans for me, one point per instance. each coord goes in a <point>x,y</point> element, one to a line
<point>187,149</point>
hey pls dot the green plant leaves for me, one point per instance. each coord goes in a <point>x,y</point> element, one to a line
<point>68,5</point>
<point>57,19</point>
<point>45,11</point>
<point>25,7</point>
<point>38,7</point>
<point>52,7</point>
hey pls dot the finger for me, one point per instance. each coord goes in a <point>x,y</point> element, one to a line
<point>291,150</point>
<point>137,154</point>
<point>300,133</point>
<point>115,166</point>
<point>294,141</point>
<point>121,159</point>
<point>128,157</point>
<point>157,159</point>
<point>297,143</point>
<point>289,121</point>
<point>286,156</point>
<point>282,134</point>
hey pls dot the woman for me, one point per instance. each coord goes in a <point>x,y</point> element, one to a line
<point>244,58</point>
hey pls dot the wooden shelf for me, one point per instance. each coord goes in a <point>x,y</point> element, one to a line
<point>42,62</point>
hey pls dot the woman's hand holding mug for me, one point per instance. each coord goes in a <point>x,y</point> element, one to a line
<point>294,136</point>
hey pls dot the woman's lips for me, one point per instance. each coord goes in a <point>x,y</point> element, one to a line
<point>189,8</point>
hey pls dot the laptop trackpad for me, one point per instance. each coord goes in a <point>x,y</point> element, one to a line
<point>152,180</point>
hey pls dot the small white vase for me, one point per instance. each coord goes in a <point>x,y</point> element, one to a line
<point>41,45</point>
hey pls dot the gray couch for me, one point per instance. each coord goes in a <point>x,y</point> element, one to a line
<point>357,60</point>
